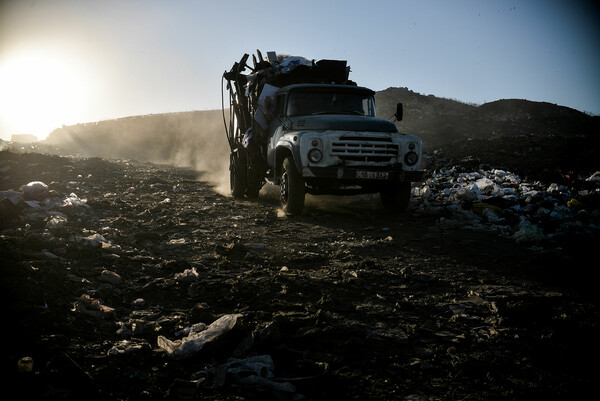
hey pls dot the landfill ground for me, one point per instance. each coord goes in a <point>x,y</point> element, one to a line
<point>343,302</point>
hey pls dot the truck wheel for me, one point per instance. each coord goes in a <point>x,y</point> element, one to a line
<point>237,175</point>
<point>396,198</point>
<point>291,187</point>
<point>253,188</point>
<point>253,181</point>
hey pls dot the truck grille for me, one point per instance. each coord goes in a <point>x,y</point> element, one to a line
<point>378,149</point>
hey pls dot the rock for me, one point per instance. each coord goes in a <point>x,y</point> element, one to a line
<point>138,303</point>
<point>35,191</point>
<point>201,313</point>
<point>111,277</point>
<point>11,204</point>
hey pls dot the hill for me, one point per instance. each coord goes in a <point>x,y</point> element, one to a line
<point>537,139</point>
<point>440,121</point>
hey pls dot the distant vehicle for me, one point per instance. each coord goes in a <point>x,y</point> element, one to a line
<point>304,126</point>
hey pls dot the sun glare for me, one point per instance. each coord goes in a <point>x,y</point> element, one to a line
<point>39,91</point>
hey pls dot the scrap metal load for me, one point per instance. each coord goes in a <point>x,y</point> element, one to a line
<point>248,123</point>
<point>248,91</point>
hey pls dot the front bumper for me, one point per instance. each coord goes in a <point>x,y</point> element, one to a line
<point>362,175</point>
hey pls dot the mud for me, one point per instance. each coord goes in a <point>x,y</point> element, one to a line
<point>343,302</point>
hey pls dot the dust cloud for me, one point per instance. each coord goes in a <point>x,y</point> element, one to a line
<point>193,139</point>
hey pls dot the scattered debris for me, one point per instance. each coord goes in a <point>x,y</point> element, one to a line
<point>479,292</point>
<point>500,201</point>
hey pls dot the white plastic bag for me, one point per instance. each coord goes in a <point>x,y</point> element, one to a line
<point>196,340</point>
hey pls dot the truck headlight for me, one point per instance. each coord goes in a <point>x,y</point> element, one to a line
<point>315,155</point>
<point>411,158</point>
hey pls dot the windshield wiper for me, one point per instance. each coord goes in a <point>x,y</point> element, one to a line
<point>358,113</point>
<point>354,112</point>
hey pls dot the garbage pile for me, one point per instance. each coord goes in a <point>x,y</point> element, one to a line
<point>533,212</point>
<point>127,280</point>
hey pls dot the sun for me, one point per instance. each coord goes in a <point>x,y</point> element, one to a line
<point>40,90</point>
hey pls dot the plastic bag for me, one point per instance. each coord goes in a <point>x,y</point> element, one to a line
<point>528,232</point>
<point>196,340</point>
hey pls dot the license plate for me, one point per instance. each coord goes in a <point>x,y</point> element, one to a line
<point>373,175</point>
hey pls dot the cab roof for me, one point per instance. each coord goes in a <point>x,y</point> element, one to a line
<point>327,88</point>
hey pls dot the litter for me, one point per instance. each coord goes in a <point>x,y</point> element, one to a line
<point>56,223</point>
<point>195,341</point>
<point>126,346</point>
<point>256,371</point>
<point>528,233</point>
<point>499,200</point>
<point>188,275</point>
<point>93,307</point>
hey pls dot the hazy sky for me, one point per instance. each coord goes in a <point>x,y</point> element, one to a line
<point>75,61</point>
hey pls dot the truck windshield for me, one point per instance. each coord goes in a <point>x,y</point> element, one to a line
<point>313,103</point>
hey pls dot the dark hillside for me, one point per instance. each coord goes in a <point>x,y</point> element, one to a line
<point>441,121</point>
<point>517,116</point>
<point>536,139</point>
<point>436,120</point>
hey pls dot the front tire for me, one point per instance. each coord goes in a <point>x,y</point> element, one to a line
<point>395,198</point>
<point>291,188</point>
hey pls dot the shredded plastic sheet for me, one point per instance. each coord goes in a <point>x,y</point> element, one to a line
<point>188,275</point>
<point>254,371</point>
<point>195,341</point>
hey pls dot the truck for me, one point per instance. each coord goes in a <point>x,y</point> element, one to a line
<point>304,126</point>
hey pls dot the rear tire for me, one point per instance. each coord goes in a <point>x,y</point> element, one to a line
<point>291,188</point>
<point>253,189</point>
<point>237,174</point>
<point>395,198</point>
<point>253,177</point>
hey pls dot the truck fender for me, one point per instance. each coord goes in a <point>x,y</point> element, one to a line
<point>285,148</point>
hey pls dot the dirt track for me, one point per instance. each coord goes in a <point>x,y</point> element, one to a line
<point>347,302</point>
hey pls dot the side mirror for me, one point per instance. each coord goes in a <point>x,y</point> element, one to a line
<point>269,106</point>
<point>399,112</point>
